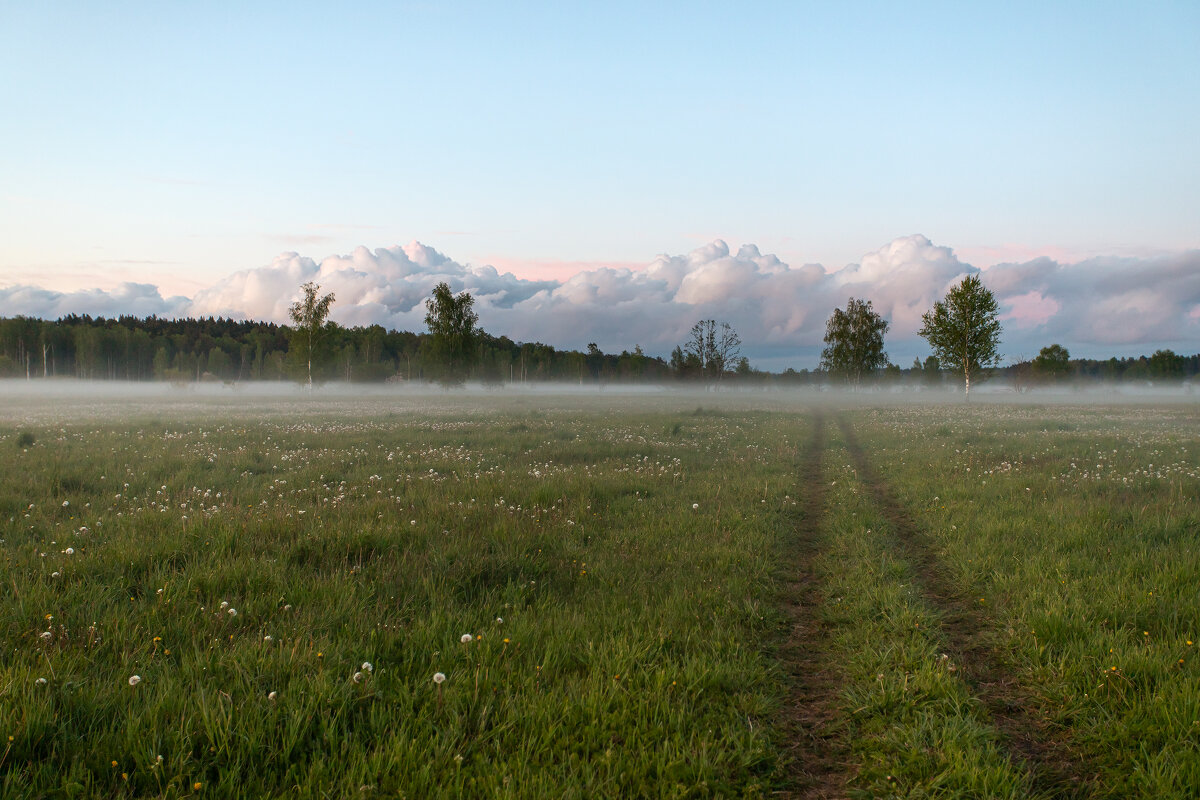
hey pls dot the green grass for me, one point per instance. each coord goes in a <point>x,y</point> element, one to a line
<point>914,728</point>
<point>631,658</point>
<point>623,642</point>
<point>1079,528</point>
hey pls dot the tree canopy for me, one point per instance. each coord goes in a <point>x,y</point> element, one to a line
<point>854,340</point>
<point>1053,362</point>
<point>451,320</point>
<point>309,315</point>
<point>963,330</point>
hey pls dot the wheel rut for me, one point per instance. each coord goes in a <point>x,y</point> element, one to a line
<point>1032,743</point>
<point>817,766</point>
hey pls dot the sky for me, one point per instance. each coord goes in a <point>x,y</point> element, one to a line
<point>611,172</point>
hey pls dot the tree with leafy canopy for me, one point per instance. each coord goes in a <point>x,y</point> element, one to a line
<point>931,372</point>
<point>855,342</point>
<point>963,330</point>
<point>451,319</point>
<point>1166,365</point>
<point>1052,363</point>
<point>309,316</point>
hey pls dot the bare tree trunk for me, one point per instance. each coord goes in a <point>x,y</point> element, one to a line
<point>966,374</point>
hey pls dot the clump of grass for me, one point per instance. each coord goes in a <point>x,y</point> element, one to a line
<point>25,439</point>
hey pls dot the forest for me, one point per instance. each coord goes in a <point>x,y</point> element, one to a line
<point>128,348</point>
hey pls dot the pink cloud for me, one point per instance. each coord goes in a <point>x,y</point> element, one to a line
<point>550,269</point>
<point>1030,309</point>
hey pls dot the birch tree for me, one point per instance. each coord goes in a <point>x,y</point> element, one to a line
<point>309,316</point>
<point>963,330</point>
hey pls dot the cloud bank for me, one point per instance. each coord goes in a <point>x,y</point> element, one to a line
<point>1097,307</point>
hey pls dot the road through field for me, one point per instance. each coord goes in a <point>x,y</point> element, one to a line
<point>817,761</point>
<point>1033,745</point>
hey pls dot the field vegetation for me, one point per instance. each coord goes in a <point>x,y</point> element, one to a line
<point>547,597</point>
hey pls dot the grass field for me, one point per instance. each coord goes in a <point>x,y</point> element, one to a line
<point>635,596</point>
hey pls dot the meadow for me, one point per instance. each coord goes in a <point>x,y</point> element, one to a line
<point>637,595</point>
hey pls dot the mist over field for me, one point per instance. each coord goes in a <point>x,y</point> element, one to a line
<point>43,402</point>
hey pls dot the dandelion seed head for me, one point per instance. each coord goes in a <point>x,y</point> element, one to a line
<point>465,638</point>
<point>439,677</point>
<point>134,680</point>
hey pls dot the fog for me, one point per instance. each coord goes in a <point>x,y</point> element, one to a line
<point>44,402</point>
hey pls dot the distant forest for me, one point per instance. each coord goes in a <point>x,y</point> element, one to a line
<point>227,350</point>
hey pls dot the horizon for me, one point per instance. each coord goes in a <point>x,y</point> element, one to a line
<point>1097,308</point>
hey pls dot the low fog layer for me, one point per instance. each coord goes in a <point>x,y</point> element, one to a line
<point>1098,308</point>
<point>48,402</point>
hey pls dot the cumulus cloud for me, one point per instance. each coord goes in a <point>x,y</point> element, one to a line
<point>137,299</point>
<point>1094,307</point>
<point>1126,304</point>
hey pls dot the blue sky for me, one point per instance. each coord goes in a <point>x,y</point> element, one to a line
<point>174,144</point>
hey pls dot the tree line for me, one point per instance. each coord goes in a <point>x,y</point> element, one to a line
<point>961,329</point>
<point>218,349</point>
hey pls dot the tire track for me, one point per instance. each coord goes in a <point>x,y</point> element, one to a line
<point>816,766</point>
<point>1032,744</point>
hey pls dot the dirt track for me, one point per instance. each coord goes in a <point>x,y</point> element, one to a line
<point>1044,753</point>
